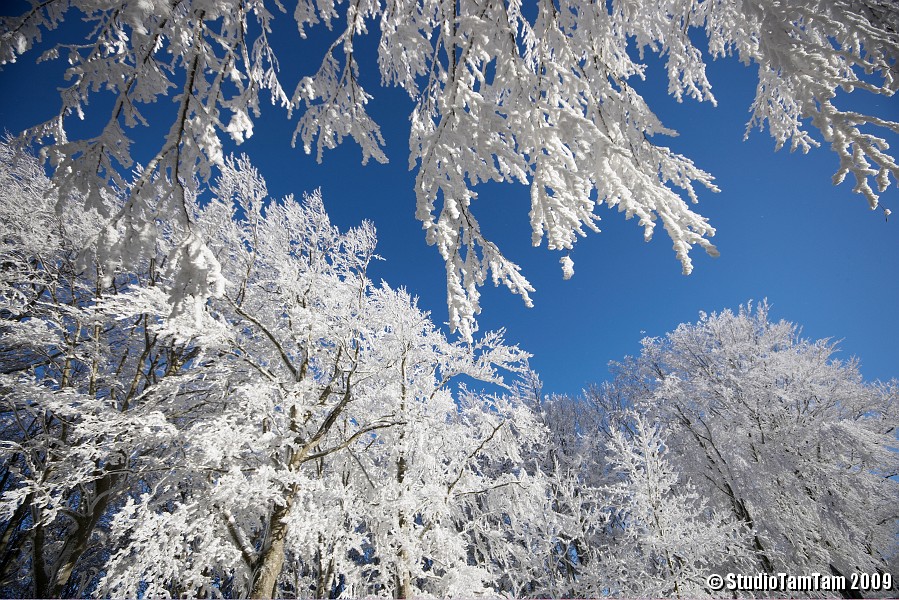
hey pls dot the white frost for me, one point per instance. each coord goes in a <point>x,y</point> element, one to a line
<point>567,267</point>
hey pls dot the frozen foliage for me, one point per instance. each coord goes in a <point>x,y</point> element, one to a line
<point>501,92</point>
<point>567,267</point>
<point>729,445</point>
<point>304,432</point>
<point>771,428</point>
<point>303,439</point>
<point>664,540</point>
<point>627,520</point>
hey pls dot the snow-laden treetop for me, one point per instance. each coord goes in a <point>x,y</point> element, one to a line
<point>501,92</point>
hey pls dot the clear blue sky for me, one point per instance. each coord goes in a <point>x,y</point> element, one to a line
<point>785,233</point>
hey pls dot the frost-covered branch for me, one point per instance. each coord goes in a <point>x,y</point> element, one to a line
<point>544,99</point>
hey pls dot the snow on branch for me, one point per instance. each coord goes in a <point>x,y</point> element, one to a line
<point>504,93</point>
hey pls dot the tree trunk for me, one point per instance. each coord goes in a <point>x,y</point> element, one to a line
<point>403,577</point>
<point>39,567</point>
<point>272,561</point>
<point>9,542</point>
<point>742,514</point>
<point>77,542</point>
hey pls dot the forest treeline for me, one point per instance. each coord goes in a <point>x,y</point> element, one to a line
<point>306,432</point>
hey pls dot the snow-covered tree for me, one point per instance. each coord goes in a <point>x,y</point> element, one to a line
<point>729,445</point>
<point>775,430</point>
<point>299,433</point>
<point>574,460</point>
<point>77,368</point>
<point>664,541</point>
<point>501,91</point>
<point>627,522</point>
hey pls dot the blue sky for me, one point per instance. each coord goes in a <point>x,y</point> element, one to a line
<point>785,233</point>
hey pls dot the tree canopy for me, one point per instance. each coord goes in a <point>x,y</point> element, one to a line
<point>501,91</point>
<point>309,433</point>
